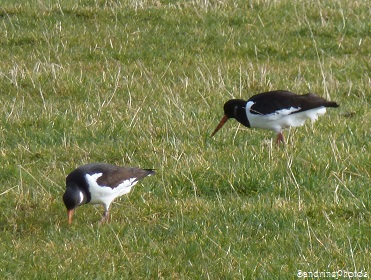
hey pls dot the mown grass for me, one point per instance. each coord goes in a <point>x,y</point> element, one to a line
<point>142,83</point>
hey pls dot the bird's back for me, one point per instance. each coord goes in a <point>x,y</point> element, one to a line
<point>270,102</point>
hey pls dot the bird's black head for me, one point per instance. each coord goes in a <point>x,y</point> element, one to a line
<point>236,108</point>
<point>233,108</point>
<point>73,197</point>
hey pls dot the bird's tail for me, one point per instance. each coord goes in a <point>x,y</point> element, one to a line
<point>150,171</point>
<point>332,104</point>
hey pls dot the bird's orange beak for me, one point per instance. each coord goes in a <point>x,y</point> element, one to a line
<point>70,214</point>
<point>221,123</point>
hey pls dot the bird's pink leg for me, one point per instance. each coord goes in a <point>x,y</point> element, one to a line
<point>280,139</point>
<point>105,218</point>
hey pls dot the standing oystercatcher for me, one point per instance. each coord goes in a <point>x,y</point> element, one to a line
<point>100,183</point>
<point>275,110</point>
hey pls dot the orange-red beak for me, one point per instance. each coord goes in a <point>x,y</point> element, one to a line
<point>221,123</point>
<point>70,214</point>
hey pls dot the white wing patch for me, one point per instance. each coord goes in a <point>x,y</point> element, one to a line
<point>282,113</point>
<point>104,194</point>
<point>282,118</point>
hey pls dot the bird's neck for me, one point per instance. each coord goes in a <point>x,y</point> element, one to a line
<point>241,117</point>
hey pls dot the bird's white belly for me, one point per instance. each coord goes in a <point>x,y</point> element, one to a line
<point>105,195</point>
<point>284,118</point>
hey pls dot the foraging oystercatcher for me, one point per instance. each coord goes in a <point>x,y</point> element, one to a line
<point>100,183</point>
<point>275,110</point>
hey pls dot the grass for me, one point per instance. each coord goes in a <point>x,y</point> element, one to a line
<point>142,83</point>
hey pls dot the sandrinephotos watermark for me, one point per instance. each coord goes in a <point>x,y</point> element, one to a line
<point>338,274</point>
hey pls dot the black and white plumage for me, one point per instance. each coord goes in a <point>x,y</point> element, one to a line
<point>275,110</point>
<point>100,183</point>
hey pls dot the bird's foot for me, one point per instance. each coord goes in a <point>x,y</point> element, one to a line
<point>105,218</point>
<point>280,139</point>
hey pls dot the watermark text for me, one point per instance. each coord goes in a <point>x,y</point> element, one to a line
<point>338,274</point>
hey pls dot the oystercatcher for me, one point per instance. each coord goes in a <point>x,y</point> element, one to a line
<point>100,183</point>
<point>275,110</point>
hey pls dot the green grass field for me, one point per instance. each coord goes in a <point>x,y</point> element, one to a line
<point>143,83</point>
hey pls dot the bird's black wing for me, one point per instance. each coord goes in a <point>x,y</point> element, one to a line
<point>273,101</point>
<point>117,175</point>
